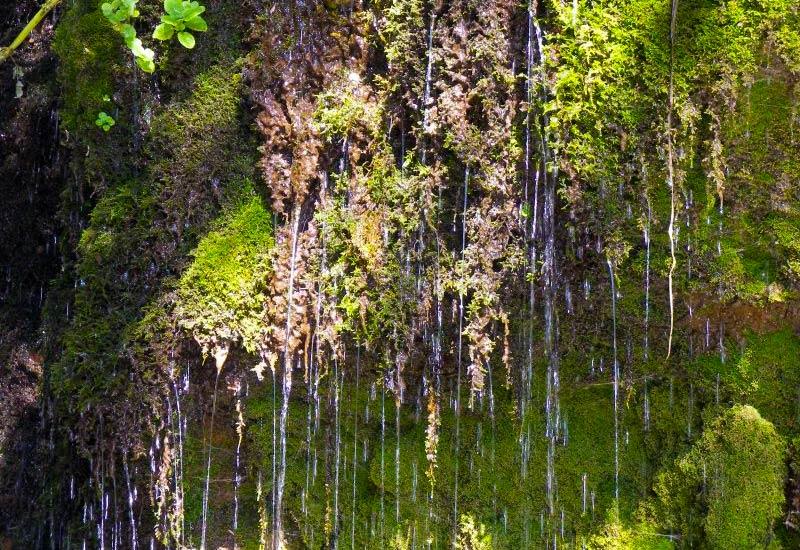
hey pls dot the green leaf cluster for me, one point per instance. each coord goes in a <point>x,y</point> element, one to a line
<point>120,13</point>
<point>182,16</point>
<point>105,121</point>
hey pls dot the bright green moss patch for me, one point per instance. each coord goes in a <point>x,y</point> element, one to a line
<point>765,374</point>
<point>729,486</point>
<point>211,160</point>
<point>616,535</point>
<point>198,161</point>
<point>219,297</point>
<point>759,230</point>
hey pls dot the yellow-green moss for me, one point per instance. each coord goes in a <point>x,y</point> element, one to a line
<point>730,484</point>
<point>220,294</point>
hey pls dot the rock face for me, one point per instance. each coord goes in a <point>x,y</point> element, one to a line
<point>32,176</point>
<point>31,171</point>
<point>401,273</point>
<point>19,406</point>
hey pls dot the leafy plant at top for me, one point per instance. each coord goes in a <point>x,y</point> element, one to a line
<point>182,16</point>
<point>120,13</point>
<point>105,121</point>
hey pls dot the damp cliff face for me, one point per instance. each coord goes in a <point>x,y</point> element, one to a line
<point>404,274</point>
<point>32,166</point>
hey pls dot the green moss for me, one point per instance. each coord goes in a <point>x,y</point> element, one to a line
<point>730,484</point>
<point>611,67</point>
<point>615,535</point>
<point>218,294</point>
<point>200,162</point>
<point>191,231</point>
<point>765,374</point>
<point>759,257</point>
<point>494,488</point>
<point>211,155</point>
<point>90,55</point>
<point>343,107</point>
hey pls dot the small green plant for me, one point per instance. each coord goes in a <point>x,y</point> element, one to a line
<point>120,13</point>
<point>182,16</point>
<point>473,535</point>
<point>105,121</point>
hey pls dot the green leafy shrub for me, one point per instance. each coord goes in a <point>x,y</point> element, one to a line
<point>182,16</point>
<point>473,535</point>
<point>120,13</point>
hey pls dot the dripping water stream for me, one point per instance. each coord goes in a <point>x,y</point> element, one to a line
<point>204,524</point>
<point>460,361</point>
<point>355,450</point>
<point>286,387</point>
<point>615,375</point>
<point>671,233</point>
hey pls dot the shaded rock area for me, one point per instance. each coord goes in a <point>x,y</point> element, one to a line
<point>33,172</point>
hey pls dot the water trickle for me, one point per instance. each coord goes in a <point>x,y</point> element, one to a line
<point>568,299</point>
<point>689,407</point>
<point>647,281</point>
<point>237,457</point>
<point>414,481</point>
<point>583,494</point>
<point>459,362</point>
<point>204,520</point>
<point>532,205</point>
<point>615,376</point>
<point>274,455</point>
<point>383,465</point>
<point>355,450</point>
<point>426,94</point>
<point>131,502</point>
<point>397,404</point>
<point>646,407</point>
<point>286,387</point>
<point>549,173</point>
<point>671,231</point>
<point>309,414</point>
<point>337,384</point>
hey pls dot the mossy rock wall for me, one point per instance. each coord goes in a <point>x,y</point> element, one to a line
<point>517,274</point>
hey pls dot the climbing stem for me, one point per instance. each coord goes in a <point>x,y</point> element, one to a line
<point>671,171</point>
<point>46,8</point>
